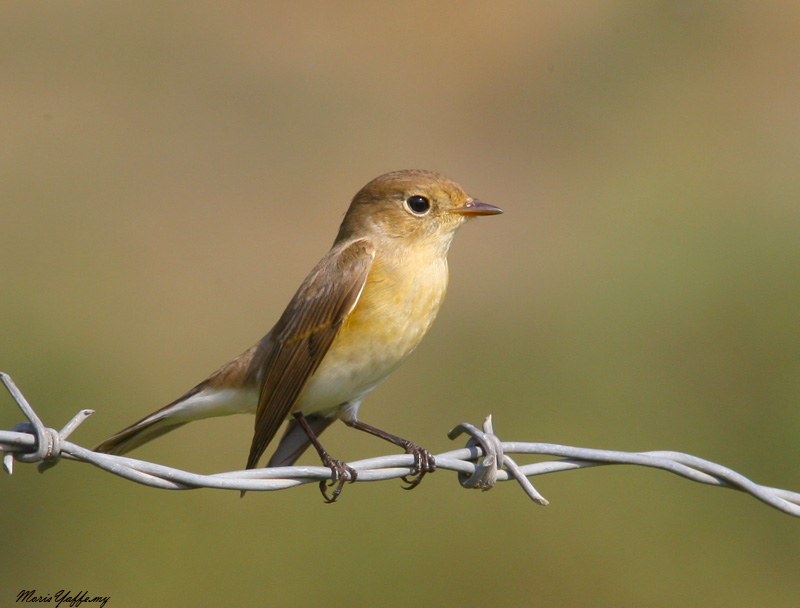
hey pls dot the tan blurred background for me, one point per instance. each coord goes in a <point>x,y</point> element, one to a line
<point>169,172</point>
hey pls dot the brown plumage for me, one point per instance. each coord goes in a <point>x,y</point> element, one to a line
<point>359,313</point>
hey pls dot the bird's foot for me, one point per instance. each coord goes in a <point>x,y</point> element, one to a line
<point>340,474</point>
<point>424,462</point>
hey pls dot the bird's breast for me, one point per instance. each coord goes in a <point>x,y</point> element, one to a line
<point>396,308</point>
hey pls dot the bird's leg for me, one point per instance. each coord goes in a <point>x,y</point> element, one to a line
<point>340,472</point>
<point>424,461</point>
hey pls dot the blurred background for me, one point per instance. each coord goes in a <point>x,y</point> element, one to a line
<point>169,172</point>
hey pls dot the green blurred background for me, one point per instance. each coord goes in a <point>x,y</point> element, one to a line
<point>169,172</point>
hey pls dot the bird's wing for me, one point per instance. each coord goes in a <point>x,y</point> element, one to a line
<point>292,351</point>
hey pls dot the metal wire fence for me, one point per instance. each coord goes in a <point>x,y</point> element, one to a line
<point>481,464</point>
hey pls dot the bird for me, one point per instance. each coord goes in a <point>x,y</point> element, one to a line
<point>355,318</point>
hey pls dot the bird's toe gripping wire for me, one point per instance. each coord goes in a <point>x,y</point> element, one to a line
<point>341,473</point>
<point>424,462</point>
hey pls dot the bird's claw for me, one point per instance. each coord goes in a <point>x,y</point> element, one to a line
<point>340,474</point>
<point>424,462</point>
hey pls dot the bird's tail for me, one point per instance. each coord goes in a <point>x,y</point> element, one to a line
<point>203,401</point>
<point>137,434</point>
<point>295,441</point>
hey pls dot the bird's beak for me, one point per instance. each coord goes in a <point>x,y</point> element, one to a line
<point>474,207</point>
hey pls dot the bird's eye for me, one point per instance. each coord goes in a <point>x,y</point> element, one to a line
<point>418,205</point>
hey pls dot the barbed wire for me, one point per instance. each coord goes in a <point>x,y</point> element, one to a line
<point>480,465</point>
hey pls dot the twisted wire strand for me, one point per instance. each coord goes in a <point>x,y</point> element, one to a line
<point>480,465</point>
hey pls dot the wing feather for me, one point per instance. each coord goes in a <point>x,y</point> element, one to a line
<point>290,354</point>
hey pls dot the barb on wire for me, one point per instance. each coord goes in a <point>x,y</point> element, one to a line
<point>481,464</point>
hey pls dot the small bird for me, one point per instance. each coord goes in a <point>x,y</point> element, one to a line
<point>359,313</point>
